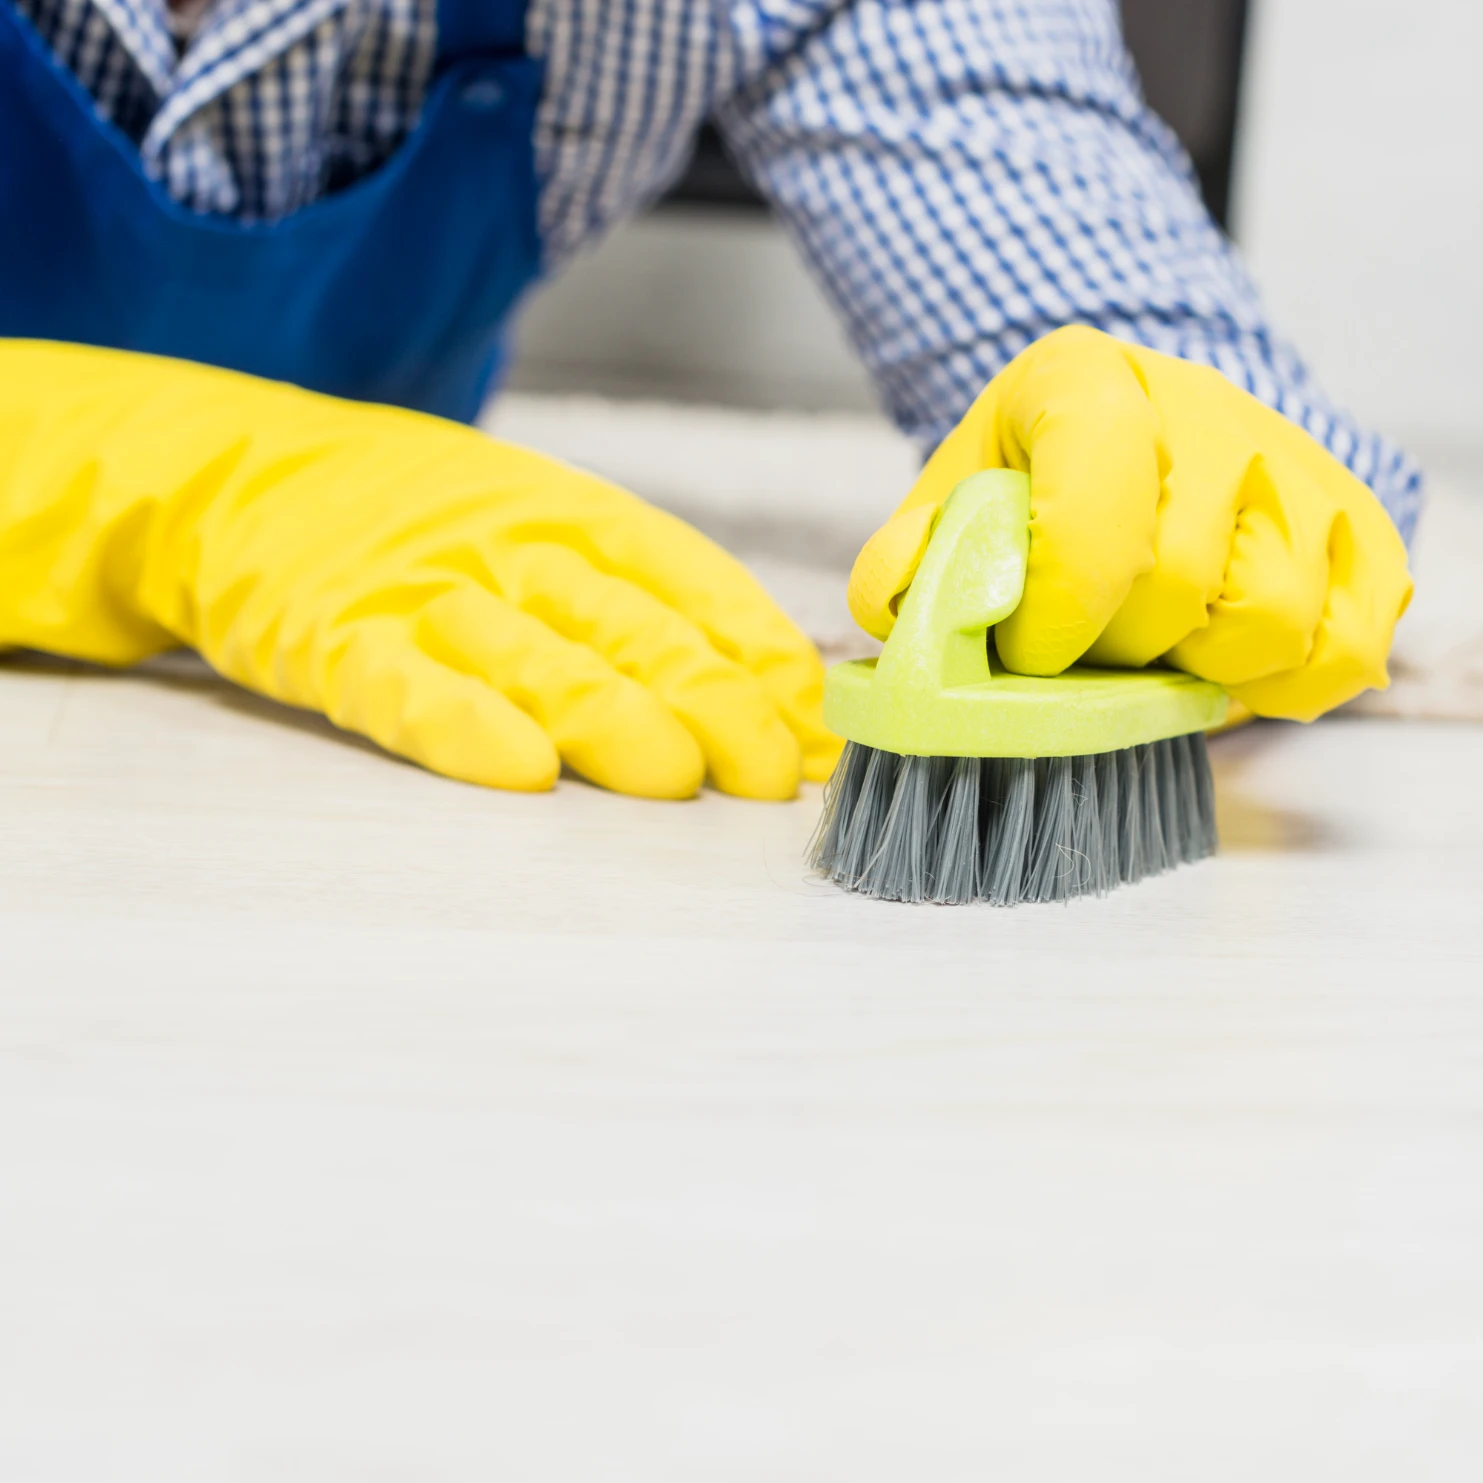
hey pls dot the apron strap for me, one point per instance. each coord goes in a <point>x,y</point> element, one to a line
<point>470,27</point>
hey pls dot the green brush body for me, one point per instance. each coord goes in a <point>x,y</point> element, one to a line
<point>964,783</point>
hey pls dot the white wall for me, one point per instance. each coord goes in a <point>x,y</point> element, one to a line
<point>693,305</point>
<point>1360,203</point>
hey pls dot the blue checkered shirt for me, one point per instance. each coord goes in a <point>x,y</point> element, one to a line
<point>962,175</point>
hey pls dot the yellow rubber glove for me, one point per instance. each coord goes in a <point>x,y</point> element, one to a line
<point>478,608</point>
<point>1172,516</point>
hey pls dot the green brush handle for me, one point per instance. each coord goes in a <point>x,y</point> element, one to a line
<point>971,575</point>
<point>933,692</point>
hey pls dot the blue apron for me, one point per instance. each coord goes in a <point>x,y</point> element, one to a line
<point>395,289</point>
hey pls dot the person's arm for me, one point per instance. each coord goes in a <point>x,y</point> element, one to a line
<point>1014,239</point>
<point>966,176</point>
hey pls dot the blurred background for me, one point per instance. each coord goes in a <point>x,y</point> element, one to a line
<point>1338,140</point>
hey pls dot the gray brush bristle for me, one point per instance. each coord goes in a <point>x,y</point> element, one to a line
<point>1012,829</point>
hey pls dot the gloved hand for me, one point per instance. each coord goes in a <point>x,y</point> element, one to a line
<point>478,608</point>
<point>1173,516</point>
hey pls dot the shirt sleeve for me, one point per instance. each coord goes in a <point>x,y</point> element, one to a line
<point>965,176</point>
<point>628,84</point>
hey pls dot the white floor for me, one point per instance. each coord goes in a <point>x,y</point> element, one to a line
<point>355,1125</point>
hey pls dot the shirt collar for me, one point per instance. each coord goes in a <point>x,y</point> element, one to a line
<point>236,39</point>
<point>143,30</point>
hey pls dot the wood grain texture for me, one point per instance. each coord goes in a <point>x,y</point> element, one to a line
<point>358,1125</point>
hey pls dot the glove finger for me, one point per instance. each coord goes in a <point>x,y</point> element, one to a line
<point>795,685</point>
<point>1276,586</point>
<point>1076,417</point>
<point>749,749</point>
<point>604,725</point>
<point>821,753</point>
<point>1364,600</point>
<point>1073,413</point>
<point>379,684</point>
<point>1203,488</point>
<point>886,565</point>
<point>889,559</point>
<point>684,571</point>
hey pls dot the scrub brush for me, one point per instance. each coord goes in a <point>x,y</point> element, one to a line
<point>961,782</point>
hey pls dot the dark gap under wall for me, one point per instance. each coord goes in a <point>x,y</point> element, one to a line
<point>1189,55</point>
